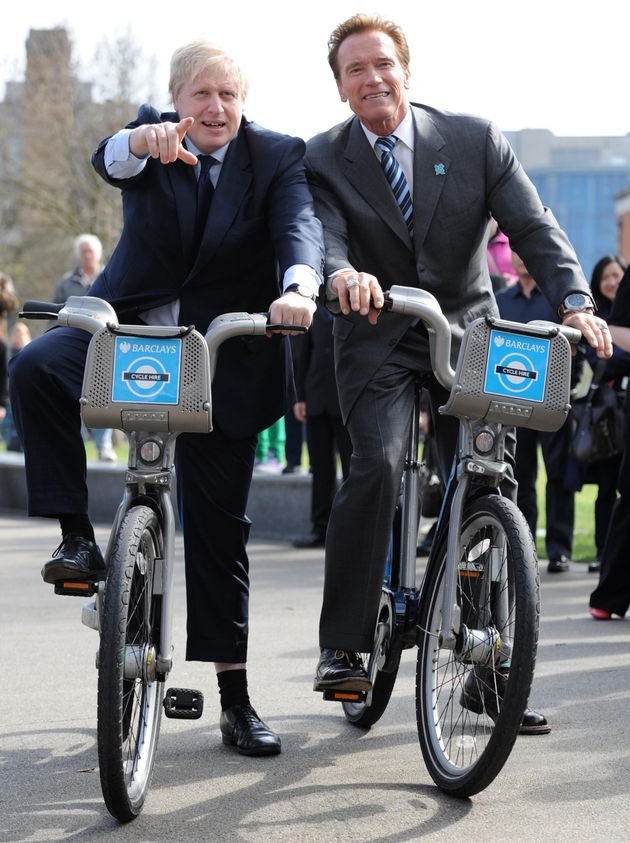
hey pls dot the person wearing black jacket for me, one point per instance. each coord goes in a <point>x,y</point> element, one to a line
<point>612,595</point>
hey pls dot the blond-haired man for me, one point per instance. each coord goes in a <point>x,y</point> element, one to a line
<point>217,217</point>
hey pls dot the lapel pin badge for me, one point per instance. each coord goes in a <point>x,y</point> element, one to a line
<point>440,169</point>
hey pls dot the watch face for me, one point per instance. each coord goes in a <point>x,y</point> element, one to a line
<point>577,300</point>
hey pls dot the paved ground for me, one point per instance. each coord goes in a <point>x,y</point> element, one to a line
<point>332,781</point>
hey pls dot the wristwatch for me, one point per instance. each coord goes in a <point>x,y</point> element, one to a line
<point>301,290</point>
<point>576,303</point>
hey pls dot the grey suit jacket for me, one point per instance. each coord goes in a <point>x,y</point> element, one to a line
<point>464,171</point>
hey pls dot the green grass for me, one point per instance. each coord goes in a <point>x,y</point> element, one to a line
<point>584,530</point>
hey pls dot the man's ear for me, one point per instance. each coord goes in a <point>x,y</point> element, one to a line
<point>342,95</point>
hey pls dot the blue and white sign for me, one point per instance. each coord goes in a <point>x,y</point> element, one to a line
<point>517,366</point>
<point>146,370</point>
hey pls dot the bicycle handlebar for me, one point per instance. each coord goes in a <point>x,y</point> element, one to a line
<point>92,314</point>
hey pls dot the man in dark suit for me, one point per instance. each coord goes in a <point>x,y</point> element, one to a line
<point>217,217</point>
<point>405,193</point>
<point>318,406</point>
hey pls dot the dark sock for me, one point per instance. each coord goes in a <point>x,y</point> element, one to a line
<point>78,525</point>
<point>233,688</point>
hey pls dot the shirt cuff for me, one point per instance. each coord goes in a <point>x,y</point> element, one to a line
<point>120,162</point>
<point>304,275</point>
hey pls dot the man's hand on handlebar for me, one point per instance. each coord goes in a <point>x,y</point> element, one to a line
<point>291,309</point>
<point>359,292</point>
<point>594,330</point>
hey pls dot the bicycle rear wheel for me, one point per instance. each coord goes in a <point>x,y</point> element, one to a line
<point>130,693</point>
<point>470,700</point>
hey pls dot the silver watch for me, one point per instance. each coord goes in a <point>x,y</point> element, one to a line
<point>576,303</point>
<point>301,290</point>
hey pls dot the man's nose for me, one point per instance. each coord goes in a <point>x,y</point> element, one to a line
<point>214,103</point>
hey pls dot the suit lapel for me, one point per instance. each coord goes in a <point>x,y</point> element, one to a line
<point>430,171</point>
<point>363,171</point>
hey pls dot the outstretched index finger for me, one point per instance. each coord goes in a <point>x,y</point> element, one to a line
<point>184,154</point>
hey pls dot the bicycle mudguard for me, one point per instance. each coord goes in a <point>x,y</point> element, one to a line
<point>512,373</point>
<point>145,378</point>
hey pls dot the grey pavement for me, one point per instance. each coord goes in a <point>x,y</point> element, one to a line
<point>332,782</point>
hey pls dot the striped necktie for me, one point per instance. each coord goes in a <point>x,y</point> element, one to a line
<point>396,178</point>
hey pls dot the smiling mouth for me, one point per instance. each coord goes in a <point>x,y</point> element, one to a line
<point>380,95</point>
<point>210,125</point>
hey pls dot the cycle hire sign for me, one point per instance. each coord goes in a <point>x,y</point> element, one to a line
<point>517,366</point>
<point>146,370</point>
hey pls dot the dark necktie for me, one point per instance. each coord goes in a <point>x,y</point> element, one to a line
<point>205,192</point>
<point>396,178</point>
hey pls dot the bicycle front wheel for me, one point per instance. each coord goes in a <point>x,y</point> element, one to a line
<point>470,700</point>
<point>130,693</point>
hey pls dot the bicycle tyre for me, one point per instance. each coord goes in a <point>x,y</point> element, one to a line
<point>468,711</point>
<point>364,714</point>
<point>130,694</point>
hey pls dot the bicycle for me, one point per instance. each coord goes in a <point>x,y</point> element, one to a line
<point>153,383</point>
<point>474,617</point>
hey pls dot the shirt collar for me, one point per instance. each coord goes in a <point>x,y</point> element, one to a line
<point>218,154</point>
<point>404,131</point>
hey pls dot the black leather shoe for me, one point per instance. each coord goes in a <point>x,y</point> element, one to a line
<point>76,559</point>
<point>558,564</point>
<point>483,692</point>
<point>342,670</point>
<point>242,727</point>
<point>314,540</point>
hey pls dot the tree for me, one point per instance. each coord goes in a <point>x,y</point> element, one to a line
<point>49,127</point>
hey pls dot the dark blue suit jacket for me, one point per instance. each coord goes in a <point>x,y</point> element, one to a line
<point>261,221</point>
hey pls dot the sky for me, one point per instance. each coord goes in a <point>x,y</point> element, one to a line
<point>526,64</point>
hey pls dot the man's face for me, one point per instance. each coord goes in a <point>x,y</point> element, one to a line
<point>87,258</point>
<point>215,101</point>
<point>373,81</point>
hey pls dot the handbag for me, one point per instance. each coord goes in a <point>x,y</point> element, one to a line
<point>598,421</point>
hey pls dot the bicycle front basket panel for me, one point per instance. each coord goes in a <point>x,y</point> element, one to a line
<point>512,373</point>
<point>149,379</point>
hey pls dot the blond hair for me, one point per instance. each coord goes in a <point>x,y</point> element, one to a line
<point>191,59</point>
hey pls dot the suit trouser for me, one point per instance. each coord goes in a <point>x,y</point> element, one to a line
<point>213,475</point>
<point>559,501</point>
<point>361,520</point>
<point>613,590</point>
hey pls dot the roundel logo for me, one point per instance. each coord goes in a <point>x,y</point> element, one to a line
<point>516,372</point>
<point>146,376</point>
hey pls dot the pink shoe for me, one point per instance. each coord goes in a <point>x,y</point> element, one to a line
<point>600,614</point>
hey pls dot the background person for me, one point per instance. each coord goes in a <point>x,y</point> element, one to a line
<point>217,217</point>
<point>318,407</point>
<point>88,251</point>
<point>405,193</point>
<point>523,302</point>
<point>605,278</point>
<point>612,595</point>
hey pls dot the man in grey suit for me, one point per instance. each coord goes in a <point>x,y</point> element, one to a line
<point>425,228</point>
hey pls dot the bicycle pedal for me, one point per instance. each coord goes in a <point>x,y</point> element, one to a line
<point>77,588</point>
<point>345,696</point>
<point>183,704</point>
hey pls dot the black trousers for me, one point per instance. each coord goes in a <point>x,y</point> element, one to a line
<point>559,501</point>
<point>327,437</point>
<point>213,480</point>
<point>613,590</point>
